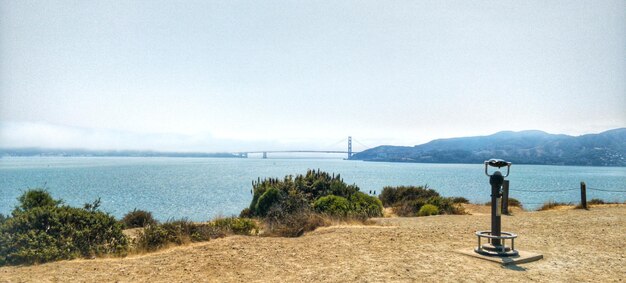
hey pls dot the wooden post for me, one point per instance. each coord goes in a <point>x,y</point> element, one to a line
<point>505,197</point>
<point>583,195</point>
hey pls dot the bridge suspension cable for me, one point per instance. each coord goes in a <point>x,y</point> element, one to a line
<point>367,147</point>
<point>342,141</point>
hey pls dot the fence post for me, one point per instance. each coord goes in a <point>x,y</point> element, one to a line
<point>583,195</point>
<point>505,197</point>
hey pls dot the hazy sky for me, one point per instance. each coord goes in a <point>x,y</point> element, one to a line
<point>243,75</point>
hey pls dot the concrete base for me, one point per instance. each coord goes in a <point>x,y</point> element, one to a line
<point>523,257</point>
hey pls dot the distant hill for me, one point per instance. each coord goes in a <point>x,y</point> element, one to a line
<point>102,153</point>
<point>525,147</point>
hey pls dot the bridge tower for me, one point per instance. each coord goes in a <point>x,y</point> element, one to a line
<point>349,147</point>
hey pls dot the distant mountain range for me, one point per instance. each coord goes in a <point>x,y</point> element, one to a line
<point>102,153</point>
<point>525,147</point>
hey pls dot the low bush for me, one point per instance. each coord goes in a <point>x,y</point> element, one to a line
<point>153,237</point>
<point>445,205</point>
<point>428,210</point>
<point>364,206</point>
<point>392,196</point>
<point>291,218</point>
<point>408,208</point>
<point>172,232</point>
<point>294,205</point>
<point>269,197</point>
<point>407,201</point>
<point>359,206</point>
<point>40,230</point>
<point>332,205</point>
<point>138,218</point>
<point>290,192</point>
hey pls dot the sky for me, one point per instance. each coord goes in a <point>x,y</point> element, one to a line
<point>258,75</point>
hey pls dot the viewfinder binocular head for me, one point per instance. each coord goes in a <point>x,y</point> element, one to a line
<point>497,163</point>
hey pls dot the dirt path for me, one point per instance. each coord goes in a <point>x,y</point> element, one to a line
<point>395,250</point>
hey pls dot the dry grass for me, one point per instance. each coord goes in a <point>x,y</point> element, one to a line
<point>552,205</point>
<point>480,209</point>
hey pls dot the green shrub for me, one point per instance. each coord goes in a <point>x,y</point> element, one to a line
<point>40,231</point>
<point>153,237</point>
<point>291,206</point>
<point>365,206</point>
<point>341,189</point>
<point>282,211</point>
<point>409,208</point>
<point>178,232</point>
<point>445,205</point>
<point>268,198</point>
<point>412,207</point>
<point>427,210</point>
<point>138,218</point>
<point>258,192</point>
<point>332,205</point>
<point>308,187</point>
<point>392,196</point>
<point>36,198</point>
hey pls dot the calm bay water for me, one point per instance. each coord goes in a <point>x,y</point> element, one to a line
<point>202,188</point>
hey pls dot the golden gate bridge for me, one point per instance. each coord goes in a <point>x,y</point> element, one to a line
<point>349,152</point>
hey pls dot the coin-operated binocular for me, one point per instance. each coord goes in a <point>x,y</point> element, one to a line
<point>495,237</point>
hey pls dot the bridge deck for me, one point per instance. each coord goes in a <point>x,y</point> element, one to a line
<point>297,151</point>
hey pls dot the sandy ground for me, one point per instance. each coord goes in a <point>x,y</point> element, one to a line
<point>577,245</point>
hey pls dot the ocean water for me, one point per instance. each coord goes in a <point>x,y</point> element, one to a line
<point>202,188</point>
